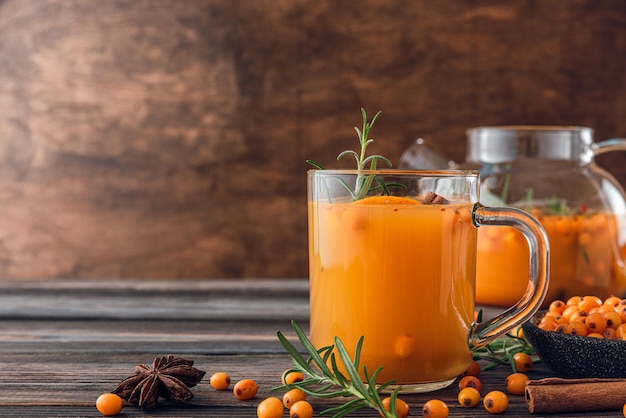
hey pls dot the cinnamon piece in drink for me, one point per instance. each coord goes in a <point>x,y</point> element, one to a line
<point>433,198</point>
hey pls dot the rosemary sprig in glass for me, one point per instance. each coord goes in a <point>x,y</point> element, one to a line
<point>323,379</point>
<point>364,182</point>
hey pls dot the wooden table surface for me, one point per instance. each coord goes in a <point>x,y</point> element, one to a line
<point>63,343</point>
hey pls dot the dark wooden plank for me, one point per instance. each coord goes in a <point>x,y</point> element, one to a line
<point>58,366</point>
<point>170,300</point>
<point>144,336</point>
<point>67,385</point>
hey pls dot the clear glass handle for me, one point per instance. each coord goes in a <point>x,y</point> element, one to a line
<point>609,145</point>
<point>482,333</point>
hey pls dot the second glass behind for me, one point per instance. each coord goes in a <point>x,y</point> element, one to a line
<point>392,258</point>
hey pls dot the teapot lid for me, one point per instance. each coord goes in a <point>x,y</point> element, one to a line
<point>499,144</point>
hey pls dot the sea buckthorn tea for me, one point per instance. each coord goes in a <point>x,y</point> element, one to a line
<point>584,253</point>
<point>550,172</point>
<point>397,265</point>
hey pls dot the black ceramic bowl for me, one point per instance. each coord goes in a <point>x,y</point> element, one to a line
<point>571,356</point>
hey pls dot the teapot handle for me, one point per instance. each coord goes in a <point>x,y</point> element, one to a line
<point>608,145</point>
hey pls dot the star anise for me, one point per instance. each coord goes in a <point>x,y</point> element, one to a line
<point>169,377</point>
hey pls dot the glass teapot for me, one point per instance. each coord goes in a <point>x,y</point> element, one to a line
<point>548,171</point>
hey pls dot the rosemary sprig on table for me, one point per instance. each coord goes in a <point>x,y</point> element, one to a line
<point>364,183</point>
<point>500,352</point>
<point>323,379</point>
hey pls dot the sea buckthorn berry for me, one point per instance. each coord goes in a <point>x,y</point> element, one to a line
<point>570,311</point>
<point>469,397</point>
<point>563,320</point>
<point>354,220</point>
<point>109,404</point>
<point>561,328</point>
<point>290,376</point>
<point>435,408</point>
<point>589,302</point>
<point>523,362</point>
<point>573,301</point>
<point>405,346</point>
<point>560,319</point>
<point>270,408</point>
<point>473,369</point>
<point>596,322</point>
<point>557,306</point>
<point>552,315</point>
<point>292,396</point>
<point>584,239</point>
<point>621,311</point>
<point>496,402</point>
<point>605,309</point>
<point>609,334</point>
<point>516,383</point>
<point>576,328</point>
<point>548,324</point>
<point>246,389</point>
<point>301,409</point>
<point>594,310</point>
<point>470,382</point>
<point>579,316</point>
<point>402,408</point>
<point>612,301</point>
<point>613,319</point>
<point>220,381</point>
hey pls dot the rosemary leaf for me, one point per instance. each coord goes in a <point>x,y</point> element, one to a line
<point>315,164</point>
<point>327,383</point>
<point>315,356</point>
<point>295,355</point>
<point>349,366</point>
<point>364,181</point>
<point>500,352</point>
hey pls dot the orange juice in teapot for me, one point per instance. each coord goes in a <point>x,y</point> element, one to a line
<point>550,172</point>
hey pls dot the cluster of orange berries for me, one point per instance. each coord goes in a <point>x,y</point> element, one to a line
<point>496,401</point>
<point>587,316</point>
<point>470,387</point>
<point>294,400</point>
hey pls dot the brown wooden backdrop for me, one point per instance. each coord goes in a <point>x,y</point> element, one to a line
<point>167,138</point>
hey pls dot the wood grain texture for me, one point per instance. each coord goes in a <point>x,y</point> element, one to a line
<point>56,366</point>
<point>167,139</point>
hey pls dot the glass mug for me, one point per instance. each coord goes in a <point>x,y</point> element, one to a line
<point>392,258</point>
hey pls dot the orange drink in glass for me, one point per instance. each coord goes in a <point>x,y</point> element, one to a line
<point>398,267</point>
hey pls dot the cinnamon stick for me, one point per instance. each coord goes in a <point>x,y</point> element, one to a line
<point>556,395</point>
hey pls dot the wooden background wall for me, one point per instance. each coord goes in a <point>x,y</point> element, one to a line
<point>167,138</point>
